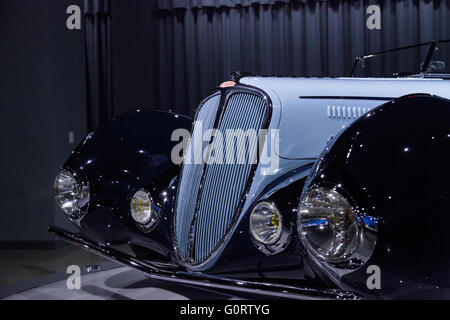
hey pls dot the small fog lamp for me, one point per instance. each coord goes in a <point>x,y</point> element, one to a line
<point>266,223</point>
<point>142,209</point>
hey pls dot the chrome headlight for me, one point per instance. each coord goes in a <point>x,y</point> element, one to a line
<point>266,223</point>
<point>143,210</point>
<point>328,225</point>
<point>71,195</point>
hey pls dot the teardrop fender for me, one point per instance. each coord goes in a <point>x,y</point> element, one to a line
<point>394,162</point>
<point>131,152</point>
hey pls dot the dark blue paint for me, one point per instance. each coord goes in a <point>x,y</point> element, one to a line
<point>129,153</point>
<point>395,165</point>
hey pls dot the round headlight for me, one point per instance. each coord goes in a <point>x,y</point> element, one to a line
<point>266,223</point>
<point>142,208</point>
<point>71,195</point>
<point>328,224</point>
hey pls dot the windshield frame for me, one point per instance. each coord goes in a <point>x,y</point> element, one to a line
<point>432,45</point>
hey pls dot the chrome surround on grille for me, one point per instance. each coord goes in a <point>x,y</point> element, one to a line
<point>225,94</point>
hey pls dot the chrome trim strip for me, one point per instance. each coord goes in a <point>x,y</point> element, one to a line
<point>337,112</point>
<point>348,98</point>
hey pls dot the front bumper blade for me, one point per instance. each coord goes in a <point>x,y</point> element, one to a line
<point>201,279</point>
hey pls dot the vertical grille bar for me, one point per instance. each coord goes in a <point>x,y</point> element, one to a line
<point>191,177</point>
<point>210,195</point>
<point>224,184</point>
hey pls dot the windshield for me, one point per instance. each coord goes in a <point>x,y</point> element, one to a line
<point>440,62</point>
<point>427,59</point>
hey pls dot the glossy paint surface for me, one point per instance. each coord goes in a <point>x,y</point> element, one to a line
<point>260,178</point>
<point>308,119</point>
<point>282,261</point>
<point>127,154</point>
<point>394,163</point>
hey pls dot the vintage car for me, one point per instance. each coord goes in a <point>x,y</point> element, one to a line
<point>344,193</point>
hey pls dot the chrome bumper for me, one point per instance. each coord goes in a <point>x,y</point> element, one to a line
<point>155,271</point>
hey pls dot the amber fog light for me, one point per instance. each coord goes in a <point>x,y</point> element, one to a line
<point>142,209</point>
<point>266,223</point>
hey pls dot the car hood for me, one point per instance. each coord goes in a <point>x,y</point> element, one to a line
<point>311,111</point>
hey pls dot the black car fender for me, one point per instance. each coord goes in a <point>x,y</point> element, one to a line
<point>131,152</point>
<point>394,162</point>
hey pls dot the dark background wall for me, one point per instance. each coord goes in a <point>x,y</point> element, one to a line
<point>163,56</point>
<point>42,99</point>
<point>135,54</point>
<point>197,43</point>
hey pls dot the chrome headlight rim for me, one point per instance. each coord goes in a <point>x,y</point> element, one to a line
<point>83,185</point>
<point>154,216</point>
<point>282,238</point>
<point>271,206</point>
<point>366,235</point>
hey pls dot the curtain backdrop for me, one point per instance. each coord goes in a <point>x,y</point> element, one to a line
<point>97,28</point>
<point>189,4</point>
<point>202,41</point>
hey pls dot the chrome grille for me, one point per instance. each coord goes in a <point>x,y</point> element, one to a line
<point>189,185</point>
<point>209,195</point>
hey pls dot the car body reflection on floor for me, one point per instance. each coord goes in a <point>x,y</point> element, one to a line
<point>119,283</point>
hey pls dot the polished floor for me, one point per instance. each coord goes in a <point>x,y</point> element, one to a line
<point>41,275</point>
<point>20,266</point>
<point>119,283</point>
